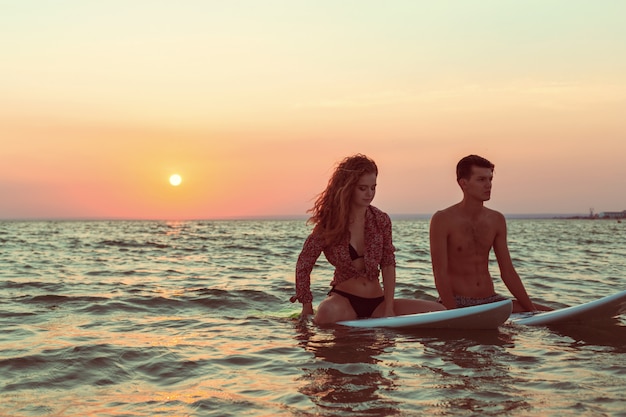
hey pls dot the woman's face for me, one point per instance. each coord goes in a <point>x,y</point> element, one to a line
<point>364,191</point>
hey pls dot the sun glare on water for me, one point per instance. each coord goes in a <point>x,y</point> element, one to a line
<point>175,180</point>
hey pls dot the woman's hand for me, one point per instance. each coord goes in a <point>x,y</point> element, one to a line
<point>389,310</point>
<point>307,310</point>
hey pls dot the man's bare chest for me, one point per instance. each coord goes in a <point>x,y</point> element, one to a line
<point>471,238</point>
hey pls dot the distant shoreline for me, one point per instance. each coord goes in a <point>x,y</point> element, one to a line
<point>398,217</point>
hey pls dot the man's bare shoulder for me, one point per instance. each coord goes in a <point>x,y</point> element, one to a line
<point>444,221</point>
<point>448,212</point>
<point>493,215</point>
<point>451,217</point>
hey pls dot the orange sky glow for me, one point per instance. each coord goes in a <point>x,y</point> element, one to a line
<point>101,102</point>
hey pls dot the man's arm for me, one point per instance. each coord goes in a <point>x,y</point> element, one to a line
<point>439,259</point>
<point>508,273</point>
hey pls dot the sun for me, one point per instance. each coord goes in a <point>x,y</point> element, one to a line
<point>175,180</point>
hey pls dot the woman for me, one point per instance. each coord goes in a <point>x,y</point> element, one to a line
<point>356,239</point>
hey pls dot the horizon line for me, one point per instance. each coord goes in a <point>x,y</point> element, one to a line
<point>396,216</point>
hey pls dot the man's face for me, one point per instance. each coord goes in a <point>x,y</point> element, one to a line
<point>479,184</point>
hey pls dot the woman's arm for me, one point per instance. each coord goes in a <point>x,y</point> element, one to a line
<point>311,250</point>
<point>388,267</point>
<point>389,288</point>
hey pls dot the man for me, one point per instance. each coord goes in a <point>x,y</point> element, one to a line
<point>461,238</point>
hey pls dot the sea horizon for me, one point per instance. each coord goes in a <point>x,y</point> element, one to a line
<point>278,217</point>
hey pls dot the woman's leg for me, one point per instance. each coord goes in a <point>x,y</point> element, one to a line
<point>334,308</point>
<point>403,306</point>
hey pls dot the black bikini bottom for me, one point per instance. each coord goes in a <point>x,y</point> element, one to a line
<point>364,307</point>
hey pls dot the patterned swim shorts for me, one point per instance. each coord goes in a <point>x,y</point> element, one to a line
<point>469,301</point>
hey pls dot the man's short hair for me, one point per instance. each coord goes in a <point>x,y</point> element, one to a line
<point>464,167</point>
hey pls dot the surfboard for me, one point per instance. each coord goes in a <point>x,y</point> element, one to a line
<point>601,309</point>
<point>486,316</point>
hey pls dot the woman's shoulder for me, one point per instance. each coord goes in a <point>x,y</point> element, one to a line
<point>379,214</point>
<point>316,233</point>
<point>377,211</point>
<point>318,236</point>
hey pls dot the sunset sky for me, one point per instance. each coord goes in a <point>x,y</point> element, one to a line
<point>253,103</point>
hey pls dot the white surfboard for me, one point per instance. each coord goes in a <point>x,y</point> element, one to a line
<point>601,309</point>
<point>486,316</point>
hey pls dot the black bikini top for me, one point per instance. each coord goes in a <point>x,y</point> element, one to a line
<point>353,253</point>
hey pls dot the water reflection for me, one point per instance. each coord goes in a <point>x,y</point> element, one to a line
<point>346,379</point>
<point>610,333</point>
<point>474,370</point>
<point>434,371</point>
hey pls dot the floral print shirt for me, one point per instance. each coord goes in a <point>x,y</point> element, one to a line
<point>379,252</point>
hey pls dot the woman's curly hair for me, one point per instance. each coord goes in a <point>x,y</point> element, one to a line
<point>331,211</point>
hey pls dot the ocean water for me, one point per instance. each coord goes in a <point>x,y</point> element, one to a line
<point>143,318</point>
